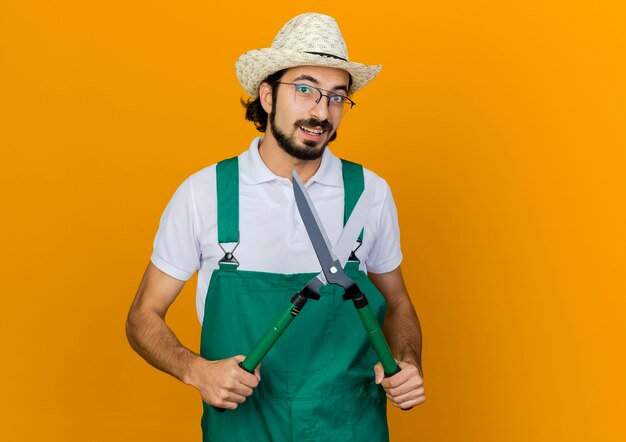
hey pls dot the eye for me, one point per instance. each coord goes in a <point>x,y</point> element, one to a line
<point>337,99</point>
<point>303,89</point>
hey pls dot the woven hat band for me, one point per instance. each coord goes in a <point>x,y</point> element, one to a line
<point>323,54</point>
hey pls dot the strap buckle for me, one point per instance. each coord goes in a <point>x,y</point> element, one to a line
<point>229,258</point>
<point>353,257</point>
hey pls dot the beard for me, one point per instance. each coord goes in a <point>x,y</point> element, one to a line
<point>288,143</point>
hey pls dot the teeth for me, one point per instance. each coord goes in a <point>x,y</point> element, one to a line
<point>312,131</point>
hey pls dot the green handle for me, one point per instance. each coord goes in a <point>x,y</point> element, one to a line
<point>378,340</point>
<point>267,341</point>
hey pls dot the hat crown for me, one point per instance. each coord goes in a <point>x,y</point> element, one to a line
<point>309,39</point>
<point>312,33</point>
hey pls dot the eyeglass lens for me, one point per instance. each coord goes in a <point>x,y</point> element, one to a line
<point>306,95</point>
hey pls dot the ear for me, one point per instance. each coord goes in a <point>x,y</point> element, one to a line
<point>265,96</point>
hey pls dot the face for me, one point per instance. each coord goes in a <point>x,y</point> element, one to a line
<point>304,130</point>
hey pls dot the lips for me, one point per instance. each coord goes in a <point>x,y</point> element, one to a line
<point>312,131</point>
<point>313,126</point>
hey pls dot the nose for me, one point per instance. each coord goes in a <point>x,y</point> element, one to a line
<point>321,110</point>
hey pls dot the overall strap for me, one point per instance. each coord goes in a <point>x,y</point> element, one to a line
<point>227,184</point>
<point>353,184</point>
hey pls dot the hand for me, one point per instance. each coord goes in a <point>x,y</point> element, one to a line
<point>404,389</point>
<point>223,383</point>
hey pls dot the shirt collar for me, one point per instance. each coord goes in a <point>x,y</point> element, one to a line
<point>253,170</point>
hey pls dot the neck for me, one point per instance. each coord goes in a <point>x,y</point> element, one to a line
<point>281,163</point>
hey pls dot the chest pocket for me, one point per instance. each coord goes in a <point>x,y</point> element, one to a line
<point>308,344</point>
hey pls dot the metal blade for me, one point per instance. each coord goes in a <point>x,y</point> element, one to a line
<point>316,283</point>
<point>313,226</point>
<point>351,231</point>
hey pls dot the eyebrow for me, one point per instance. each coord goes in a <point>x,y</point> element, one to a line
<point>313,80</point>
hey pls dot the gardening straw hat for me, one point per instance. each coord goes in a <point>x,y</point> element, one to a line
<point>309,39</point>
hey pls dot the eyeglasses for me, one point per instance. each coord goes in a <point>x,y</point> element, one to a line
<point>308,96</point>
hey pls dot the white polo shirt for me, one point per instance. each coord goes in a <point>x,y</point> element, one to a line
<point>271,233</point>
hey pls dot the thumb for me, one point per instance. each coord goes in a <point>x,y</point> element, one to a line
<point>379,372</point>
<point>239,358</point>
<point>257,370</point>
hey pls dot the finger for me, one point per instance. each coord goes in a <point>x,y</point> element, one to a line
<point>406,397</point>
<point>228,400</point>
<point>379,372</point>
<point>400,378</point>
<point>241,390</point>
<point>407,374</point>
<point>411,384</point>
<point>226,405</point>
<point>239,358</point>
<point>410,404</point>
<point>243,376</point>
<point>240,382</point>
<point>407,366</point>
<point>248,380</point>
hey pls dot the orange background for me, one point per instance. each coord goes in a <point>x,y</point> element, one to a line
<point>499,125</point>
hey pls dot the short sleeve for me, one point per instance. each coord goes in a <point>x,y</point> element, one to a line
<point>176,246</point>
<point>386,254</point>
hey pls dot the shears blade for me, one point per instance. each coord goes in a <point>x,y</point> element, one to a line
<point>313,225</point>
<point>351,231</point>
<point>332,260</point>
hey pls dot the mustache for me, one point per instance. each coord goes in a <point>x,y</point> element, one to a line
<point>314,122</point>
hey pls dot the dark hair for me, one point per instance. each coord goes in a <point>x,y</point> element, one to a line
<point>254,110</point>
<point>256,113</point>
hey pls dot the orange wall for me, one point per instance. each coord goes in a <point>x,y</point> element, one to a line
<point>499,125</point>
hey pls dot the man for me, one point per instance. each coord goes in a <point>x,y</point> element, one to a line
<point>236,223</point>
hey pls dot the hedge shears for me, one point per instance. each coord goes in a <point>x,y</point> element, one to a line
<point>332,260</point>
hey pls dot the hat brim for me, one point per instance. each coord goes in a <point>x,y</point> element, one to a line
<point>254,66</point>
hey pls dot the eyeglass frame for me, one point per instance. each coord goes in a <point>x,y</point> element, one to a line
<point>328,97</point>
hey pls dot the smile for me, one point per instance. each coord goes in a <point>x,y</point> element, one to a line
<point>312,131</point>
